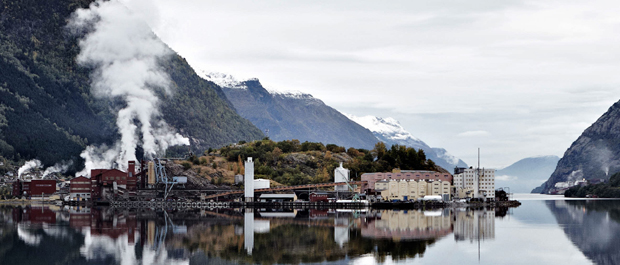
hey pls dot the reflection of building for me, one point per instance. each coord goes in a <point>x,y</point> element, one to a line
<point>474,225</point>
<point>467,184</point>
<point>34,214</point>
<point>409,225</point>
<point>100,223</point>
<point>341,230</point>
<point>248,230</point>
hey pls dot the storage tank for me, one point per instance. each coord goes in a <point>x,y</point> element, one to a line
<point>151,173</point>
<point>180,180</point>
<point>341,174</point>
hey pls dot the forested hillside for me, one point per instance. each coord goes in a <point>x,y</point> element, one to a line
<point>47,110</point>
<point>291,162</point>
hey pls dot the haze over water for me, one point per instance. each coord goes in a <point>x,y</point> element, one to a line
<point>543,230</point>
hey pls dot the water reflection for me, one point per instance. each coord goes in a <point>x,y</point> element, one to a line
<point>591,225</point>
<point>74,235</point>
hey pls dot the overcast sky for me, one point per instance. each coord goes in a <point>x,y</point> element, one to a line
<point>515,78</point>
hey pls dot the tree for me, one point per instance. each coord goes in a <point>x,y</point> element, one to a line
<point>379,151</point>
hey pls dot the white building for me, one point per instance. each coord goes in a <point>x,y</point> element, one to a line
<point>341,174</point>
<point>469,184</point>
<point>249,180</point>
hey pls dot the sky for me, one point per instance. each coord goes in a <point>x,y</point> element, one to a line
<point>514,78</point>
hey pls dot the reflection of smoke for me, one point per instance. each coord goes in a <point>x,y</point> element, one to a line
<point>28,237</point>
<point>124,54</point>
<point>99,248</point>
<point>61,167</point>
<point>29,166</point>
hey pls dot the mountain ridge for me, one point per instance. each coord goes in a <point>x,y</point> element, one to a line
<point>292,115</point>
<point>47,109</point>
<point>594,155</point>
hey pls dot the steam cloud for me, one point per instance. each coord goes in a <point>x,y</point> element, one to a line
<point>29,166</point>
<point>124,54</point>
<point>61,167</point>
<point>34,164</point>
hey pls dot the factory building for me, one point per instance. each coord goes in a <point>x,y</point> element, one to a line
<point>35,187</point>
<point>472,183</point>
<point>80,189</point>
<point>404,190</point>
<point>102,182</point>
<point>415,175</point>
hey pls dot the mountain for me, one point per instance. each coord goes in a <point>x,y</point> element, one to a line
<point>389,131</point>
<point>594,155</point>
<point>47,108</point>
<point>291,115</point>
<point>526,174</point>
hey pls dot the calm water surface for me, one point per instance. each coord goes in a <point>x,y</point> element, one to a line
<point>543,230</point>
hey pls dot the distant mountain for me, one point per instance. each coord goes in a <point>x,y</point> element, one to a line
<point>594,155</point>
<point>47,109</point>
<point>291,115</point>
<point>526,174</point>
<point>389,131</point>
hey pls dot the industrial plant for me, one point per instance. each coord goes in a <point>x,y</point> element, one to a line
<point>148,182</point>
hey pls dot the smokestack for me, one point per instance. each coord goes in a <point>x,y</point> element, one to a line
<point>477,177</point>
<point>131,169</point>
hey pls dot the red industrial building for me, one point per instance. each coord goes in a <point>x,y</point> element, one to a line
<point>318,197</point>
<point>35,187</point>
<point>102,180</point>
<point>80,188</point>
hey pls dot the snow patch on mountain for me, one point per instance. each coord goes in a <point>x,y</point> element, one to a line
<point>389,127</point>
<point>297,95</point>
<point>223,80</point>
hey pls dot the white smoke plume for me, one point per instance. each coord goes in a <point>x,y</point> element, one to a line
<point>29,166</point>
<point>61,167</point>
<point>124,53</point>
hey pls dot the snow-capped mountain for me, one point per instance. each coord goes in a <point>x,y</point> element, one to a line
<point>390,131</point>
<point>291,114</point>
<point>223,80</point>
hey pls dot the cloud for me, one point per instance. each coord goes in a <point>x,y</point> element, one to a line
<point>506,178</point>
<point>519,67</point>
<point>473,134</point>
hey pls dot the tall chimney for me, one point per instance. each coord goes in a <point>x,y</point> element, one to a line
<point>131,169</point>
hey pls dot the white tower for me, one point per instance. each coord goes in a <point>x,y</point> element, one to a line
<point>341,174</point>
<point>249,180</point>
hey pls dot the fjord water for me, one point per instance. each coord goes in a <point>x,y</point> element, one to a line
<point>543,230</point>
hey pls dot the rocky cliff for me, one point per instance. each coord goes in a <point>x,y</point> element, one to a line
<point>594,155</point>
